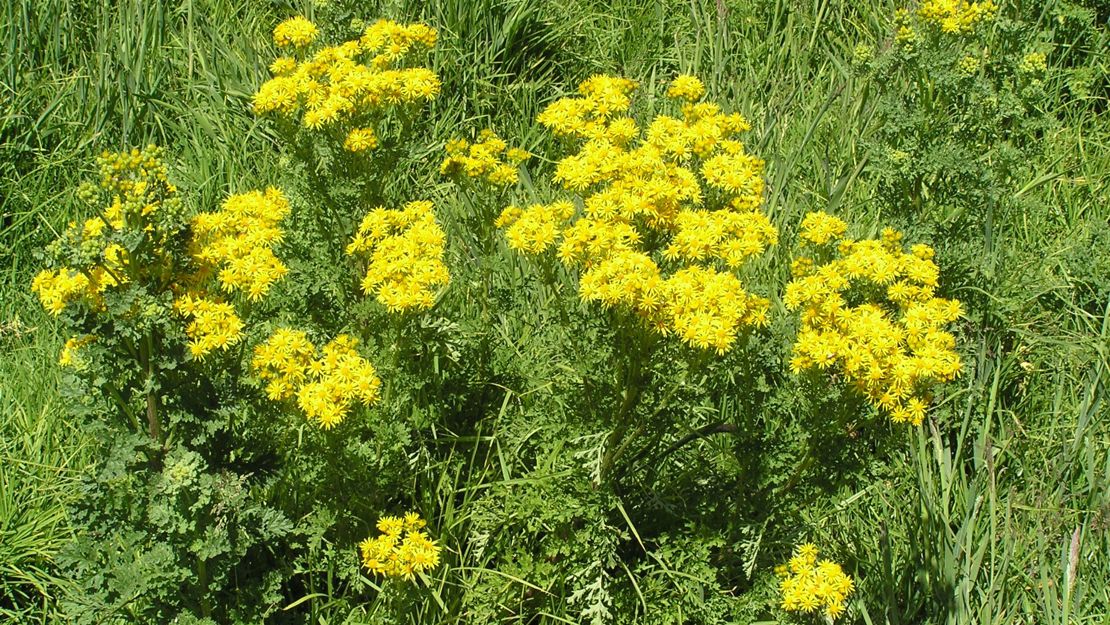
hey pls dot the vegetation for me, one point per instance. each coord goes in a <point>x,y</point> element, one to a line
<point>555,311</point>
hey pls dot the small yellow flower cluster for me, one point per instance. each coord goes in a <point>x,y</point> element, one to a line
<point>70,356</point>
<point>535,228</point>
<point>730,236</point>
<point>682,191</point>
<point>139,187</point>
<point>819,228</point>
<point>57,288</point>
<point>706,307</point>
<point>891,352</point>
<point>808,585</point>
<point>686,87</point>
<point>969,65</point>
<point>489,158</point>
<point>238,239</point>
<point>402,550</point>
<point>360,140</point>
<point>326,387</point>
<point>1033,63</point>
<point>956,16</point>
<point>356,81</point>
<point>405,248</point>
<point>295,31</point>
<point>214,324</point>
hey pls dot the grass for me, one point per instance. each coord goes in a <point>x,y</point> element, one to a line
<point>998,514</point>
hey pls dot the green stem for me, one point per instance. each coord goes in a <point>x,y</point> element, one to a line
<point>154,427</point>
<point>202,582</point>
<point>615,443</point>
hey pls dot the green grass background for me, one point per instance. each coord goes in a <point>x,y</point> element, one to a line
<point>1009,508</point>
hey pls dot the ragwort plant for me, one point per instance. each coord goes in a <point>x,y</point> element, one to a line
<point>668,214</point>
<point>154,300</point>
<point>959,99</point>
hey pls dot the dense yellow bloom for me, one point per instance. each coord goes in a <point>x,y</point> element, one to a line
<point>295,31</point>
<point>356,81</point>
<point>360,140</point>
<point>956,16</point>
<point>283,65</point>
<point>682,191</point>
<point>326,385</point>
<point>238,239</point>
<point>536,228</point>
<point>723,234</point>
<point>808,585</point>
<point>214,324</point>
<point>402,549</point>
<point>284,362</point>
<point>57,288</point>
<point>489,159</point>
<point>686,87</point>
<point>405,250</point>
<point>891,350</point>
<point>821,227</point>
<point>707,308</point>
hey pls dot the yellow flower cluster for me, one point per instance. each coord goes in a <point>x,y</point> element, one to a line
<point>360,140</point>
<point>489,158</point>
<point>956,16</point>
<point>535,228</point>
<point>139,187</point>
<point>70,356</point>
<point>405,248</point>
<point>892,346</point>
<point>682,191</point>
<point>295,31</point>
<point>214,324</point>
<point>402,550</point>
<point>1033,63</point>
<point>357,80</point>
<point>238,239</point>
<point>808,585</point>
<point>57,288</point>
<point>326,385</point>
<point>687,87</point>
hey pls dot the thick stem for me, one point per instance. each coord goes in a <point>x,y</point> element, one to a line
<point>202,582</point>
<point>615,443</point>
<point>154,427</point>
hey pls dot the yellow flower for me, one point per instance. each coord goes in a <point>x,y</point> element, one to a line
<point>360,140</point>
<point>69,356</point>
<point>326,385</point>
<point>489,159</point>
<point>956,16</point>
<point>644,197</point>
<point>820,228</point>
<point>405,249</point>
<point>808,585</point>
<point>360,79</point>
<point>237,241</point>
<point>402,550</point>
<point>295,31</point>
<point>686,87</point>
<point>891,350</point>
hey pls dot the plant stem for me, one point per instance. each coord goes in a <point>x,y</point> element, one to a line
<point>153,425</point>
